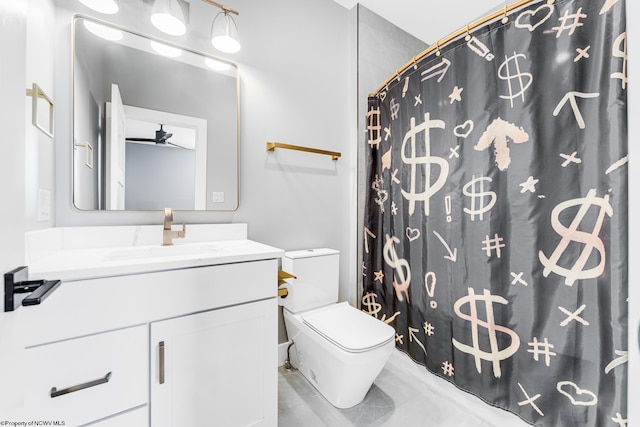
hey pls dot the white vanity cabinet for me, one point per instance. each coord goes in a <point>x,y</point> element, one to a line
<point>177,343</point>
<point>215,368</point>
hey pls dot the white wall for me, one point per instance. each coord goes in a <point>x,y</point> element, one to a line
<point>296,87</point>
<point>39,147</point>
<point>12,160</point>
<point>26,164</point>
<point>85,186</point>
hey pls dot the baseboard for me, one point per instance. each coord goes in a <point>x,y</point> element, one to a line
<point>282,352</point>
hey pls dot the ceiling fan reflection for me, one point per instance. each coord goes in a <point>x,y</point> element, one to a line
<point>162,138</point>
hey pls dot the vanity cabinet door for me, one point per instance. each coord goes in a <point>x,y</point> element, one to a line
<point>216,368</point>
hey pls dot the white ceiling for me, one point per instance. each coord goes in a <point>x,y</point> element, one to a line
<point>428,20</point>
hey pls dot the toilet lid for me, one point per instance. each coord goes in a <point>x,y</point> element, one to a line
<point>363,333</point>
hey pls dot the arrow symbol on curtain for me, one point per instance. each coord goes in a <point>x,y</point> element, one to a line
<point>624,358</point>
<point>453,256</point>
<point>366,242</point>
<point>608,4</point>
<point>571,97</point>
<point>413,337</point>
<point>439,69</point>
<point>498,133</point>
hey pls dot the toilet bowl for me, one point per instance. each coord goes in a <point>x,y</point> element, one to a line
<point>338,348</point>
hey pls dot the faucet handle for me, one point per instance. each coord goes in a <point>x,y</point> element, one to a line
<point>183,232</point>
<point>168,215</point>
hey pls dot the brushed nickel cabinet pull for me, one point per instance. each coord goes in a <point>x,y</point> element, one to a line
<point>55,392</point>
<point>161,361</point>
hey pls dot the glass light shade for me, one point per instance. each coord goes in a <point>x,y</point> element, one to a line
<point>224,33</point>
<point>103,6</point>
<point>163,49</point>
<point>102,31</point>
<point>167,16</point>
<point>217,65</point>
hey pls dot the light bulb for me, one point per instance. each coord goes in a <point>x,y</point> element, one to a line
<point>167,16</point>
<point>225,44</point>
<point>224,34</point>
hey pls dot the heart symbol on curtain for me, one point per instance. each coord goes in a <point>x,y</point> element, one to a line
<point>464,129</point>
<point>573,392</point>
<point>532,14</point>
<point>412,234</point>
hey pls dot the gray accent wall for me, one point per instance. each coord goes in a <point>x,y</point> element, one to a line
<point>383,48</point>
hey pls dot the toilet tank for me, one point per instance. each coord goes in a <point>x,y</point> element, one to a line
<point>316,282</point>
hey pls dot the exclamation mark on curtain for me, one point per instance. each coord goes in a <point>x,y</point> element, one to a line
<point>447,207</point>
<point>406,86</point>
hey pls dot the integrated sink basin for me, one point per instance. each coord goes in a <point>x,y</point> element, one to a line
<point>163,251</point>
<point>80,253</point>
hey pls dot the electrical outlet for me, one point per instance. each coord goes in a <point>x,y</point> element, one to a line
<point>217,197</point>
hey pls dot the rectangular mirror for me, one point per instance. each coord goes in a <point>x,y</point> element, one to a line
<point>155,124</point>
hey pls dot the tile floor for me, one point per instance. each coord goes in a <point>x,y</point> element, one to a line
<point>404,394</point>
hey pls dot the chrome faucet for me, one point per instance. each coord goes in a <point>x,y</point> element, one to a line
<point>167,233</point>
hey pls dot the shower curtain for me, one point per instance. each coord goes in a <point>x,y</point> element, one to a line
<point>495,228</point>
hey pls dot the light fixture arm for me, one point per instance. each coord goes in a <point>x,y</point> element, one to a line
<point>221,6</point>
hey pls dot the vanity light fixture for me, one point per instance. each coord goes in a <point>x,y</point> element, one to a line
<point>103,31</point>
<point>168,17</point>
<point>165,50</point>
<point>108,7</point>
<point>224,32</point>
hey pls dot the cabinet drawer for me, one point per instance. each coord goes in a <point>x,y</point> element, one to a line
<point>88,378</point>
<point>136,418</point>
<point>147,297</point>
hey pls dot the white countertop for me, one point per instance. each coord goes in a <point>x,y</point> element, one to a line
<point>80,253</point>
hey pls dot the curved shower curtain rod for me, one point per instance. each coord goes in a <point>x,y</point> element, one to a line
<point>462,31</point>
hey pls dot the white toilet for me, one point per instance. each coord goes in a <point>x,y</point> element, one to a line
<point>338,348</point>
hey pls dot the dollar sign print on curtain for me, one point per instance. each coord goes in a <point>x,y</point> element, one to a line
<point>495,239</point>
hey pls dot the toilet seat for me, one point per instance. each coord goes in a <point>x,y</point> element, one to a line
<point>363,333</point>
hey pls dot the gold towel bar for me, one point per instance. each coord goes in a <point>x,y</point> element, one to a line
<point>35,92</point>
<point>41,94</point>
<point>271,146</point>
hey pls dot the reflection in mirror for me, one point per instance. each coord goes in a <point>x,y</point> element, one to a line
<point>157,123</point>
